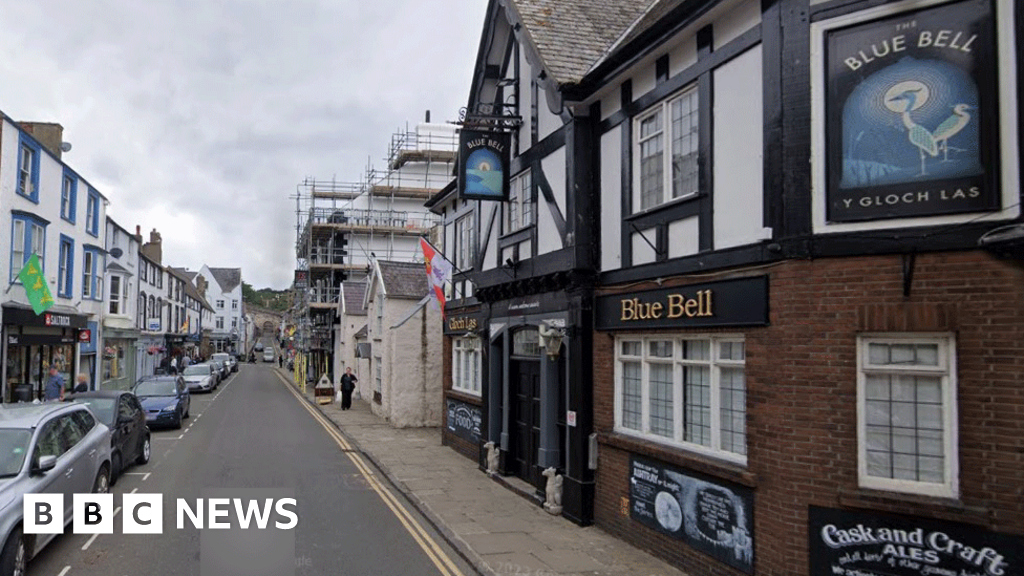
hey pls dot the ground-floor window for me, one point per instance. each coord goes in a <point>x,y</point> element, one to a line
<point>28,369</point>
<point>684,391</point>
<point>466,365</point>
<point>118,364</point>
<point>906,413</point>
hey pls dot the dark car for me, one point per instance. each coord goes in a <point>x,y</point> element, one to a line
<point>122,412</point>
<point>165,400</point>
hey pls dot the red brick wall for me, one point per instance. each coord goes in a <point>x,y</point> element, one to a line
<point>802,418</point>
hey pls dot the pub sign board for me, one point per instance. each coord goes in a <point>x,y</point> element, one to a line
<point>912,114</point>
<point>483,165</point>
<point>464,420</point>
<point>712,516</point>
<point>847,543</point>
<point>740,302</point>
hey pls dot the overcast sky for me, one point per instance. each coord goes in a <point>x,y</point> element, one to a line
<point>200,119</point>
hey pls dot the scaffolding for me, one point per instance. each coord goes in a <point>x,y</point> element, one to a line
<point>340,227</point>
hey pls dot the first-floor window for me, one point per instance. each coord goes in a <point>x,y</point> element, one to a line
<point>906,413</point>
<point>65,276</point>
<point>115,294</point>
<point>685,391</point>
<point>220,323</point>
<point>466,365</point>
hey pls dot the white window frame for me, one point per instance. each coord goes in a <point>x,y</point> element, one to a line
<point>668,137</point>
<point>946,371</point>
<point>465,236</point>
<point>66,198</point>
<point>715,365</point>
<point>88,265</point>
<point>115,295</point>
<point>519,210</point>
<point>466,348</point>
<point>220,304</point>
<point>220,322</point>
<point>25,170</point>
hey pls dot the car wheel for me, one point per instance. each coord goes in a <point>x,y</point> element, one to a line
<point>177,421</point>
<point>188,409</point>
<point>102,484</point>
<point>115,467</point>
<point>14,556</point>
<point>144,451</point>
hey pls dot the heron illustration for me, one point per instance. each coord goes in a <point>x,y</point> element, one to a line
<point>950,127</point>
<point>919,135</point>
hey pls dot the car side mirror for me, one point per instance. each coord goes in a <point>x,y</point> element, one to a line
<point>45,464</point>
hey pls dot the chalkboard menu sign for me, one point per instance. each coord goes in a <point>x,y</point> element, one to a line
<point>464,420</point>
<point>709,515</point>
<point>844,543</point>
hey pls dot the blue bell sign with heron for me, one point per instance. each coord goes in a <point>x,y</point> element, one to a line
<point>912,114</point>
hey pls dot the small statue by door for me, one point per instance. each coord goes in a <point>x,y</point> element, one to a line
<point>553,491</point>
<point>492,458</point>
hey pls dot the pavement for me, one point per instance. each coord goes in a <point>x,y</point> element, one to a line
<point>493,527</point>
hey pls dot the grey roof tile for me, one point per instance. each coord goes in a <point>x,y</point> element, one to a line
<point>572,36</point>
<point>228,278</point>
<point>353,293</point>
<point>404,279</point>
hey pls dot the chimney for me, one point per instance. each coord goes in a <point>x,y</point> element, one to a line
<point>49,134</point>
<point>201,285</point>
<point>428,117</point>
<point>152,249</point>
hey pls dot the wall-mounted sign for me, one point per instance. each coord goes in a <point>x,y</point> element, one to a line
<point>464,420</point>
<point>84,335</point>
<point>713,517</point>
<point>15,315</point>
<point>742,302</point>
<point>301,279</point>
<point>848,543</point>
<point>59,320</point>
<point>912,114</point>
<point>457,323</point>
<point>483,165</point>
<point>153,324</point>
<point>86,342</point>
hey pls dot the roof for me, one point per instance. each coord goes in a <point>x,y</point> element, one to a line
<point>190,289</point>
<point>573,36</point>
<point>363,332</point>
<point>186,273</point>
<point>25,415</point>
<point>228,278</point>
<point>353,293</point>
<point>403,279</point>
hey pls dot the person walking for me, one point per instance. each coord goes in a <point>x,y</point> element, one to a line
<point>54,385</point>
<point>280,360</point>
<point>185,362</point>
<point>83,383</point>
<point>348,384</point>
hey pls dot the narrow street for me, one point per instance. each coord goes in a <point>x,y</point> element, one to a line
<point>254,432</point>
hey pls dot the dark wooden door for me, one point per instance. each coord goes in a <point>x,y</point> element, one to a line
<point>526,419</point>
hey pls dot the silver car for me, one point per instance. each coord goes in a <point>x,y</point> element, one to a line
<point>46,448</point>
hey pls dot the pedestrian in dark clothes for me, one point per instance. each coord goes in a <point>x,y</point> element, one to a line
<point>348,384</point>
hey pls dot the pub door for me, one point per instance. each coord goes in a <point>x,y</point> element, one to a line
<point>525,418</point>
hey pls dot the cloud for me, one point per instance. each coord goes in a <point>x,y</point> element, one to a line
<point>200,119</point>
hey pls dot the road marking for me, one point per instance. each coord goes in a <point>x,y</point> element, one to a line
<point>64,571</point>
<point>145,475</point>
<point>439,557</point>
<point>134,490</point>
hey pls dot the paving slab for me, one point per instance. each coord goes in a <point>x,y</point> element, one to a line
<point>496,530</point>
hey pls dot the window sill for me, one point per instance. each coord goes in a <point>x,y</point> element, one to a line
<point>465,396</point>
<point>516,237</point>
<point>681,457</point>
<point>664,206</point>
<point>34,200</point>
<point>951,509</point>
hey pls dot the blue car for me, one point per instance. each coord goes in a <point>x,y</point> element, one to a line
<point>165,400</point>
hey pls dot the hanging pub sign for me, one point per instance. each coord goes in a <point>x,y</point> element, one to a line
<point>856,543</point>
<point>483,165</point>
<point>911,113</point>
<point>709,515</point>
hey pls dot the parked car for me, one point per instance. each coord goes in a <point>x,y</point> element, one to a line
<point>268,355</point>
<point>122,413</point>
<point>258,347</point>
<point>227,360</point>
<point>201,377</point>
<point>53,448</point>
<point>221,369</point>
<point>165,400</point>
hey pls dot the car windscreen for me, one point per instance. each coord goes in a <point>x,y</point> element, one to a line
<point>220,357</point>
<point>197,370</point>
<point>103,408</point>
<point>13,448</point>
<point>156,388</point>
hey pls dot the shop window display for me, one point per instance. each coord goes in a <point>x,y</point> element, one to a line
<point>28,368</point>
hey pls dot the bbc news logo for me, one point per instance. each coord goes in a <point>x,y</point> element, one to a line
<point>144,513</point>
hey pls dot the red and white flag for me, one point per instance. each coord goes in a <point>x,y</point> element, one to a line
<point>439,270</point>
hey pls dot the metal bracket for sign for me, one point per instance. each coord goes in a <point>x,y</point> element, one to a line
<point>489,117</point>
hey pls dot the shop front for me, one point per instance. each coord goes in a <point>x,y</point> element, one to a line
<point>463,400</point>
<point>538,395</point>
<point>87,352</point>
<point>118,369</point>
<point>33,343</point>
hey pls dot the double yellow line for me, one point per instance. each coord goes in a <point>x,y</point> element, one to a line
<point>444,564</point>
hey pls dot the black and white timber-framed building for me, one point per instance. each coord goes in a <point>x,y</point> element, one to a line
<point>758,281</point>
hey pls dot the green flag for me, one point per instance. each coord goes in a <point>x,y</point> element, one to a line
<point>36,287</point>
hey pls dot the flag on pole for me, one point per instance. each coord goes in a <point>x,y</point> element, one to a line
<point>36,287</point>
<point>439,271</point>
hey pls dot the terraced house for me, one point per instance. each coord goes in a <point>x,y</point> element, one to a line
<point>754,285</point>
